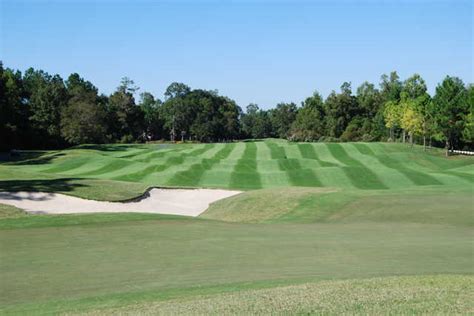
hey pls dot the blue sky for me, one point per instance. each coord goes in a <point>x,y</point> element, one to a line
<point>252,51</point>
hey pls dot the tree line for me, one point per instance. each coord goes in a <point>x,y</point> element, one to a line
<point>39,110</point>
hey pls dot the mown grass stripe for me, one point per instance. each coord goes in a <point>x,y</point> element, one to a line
<point>67,165</point>
<point>359,175</point>
<point>296,175</point>
<point>461,175</point>
<point>307,151</point>
<point>392,178</point>
<point>193,175</point>
<point>417,177</point>
<point>161,154</point>
<point>114,165</point>
<point>171,161</point>
<point>276,151</point>
<point>245,174</point>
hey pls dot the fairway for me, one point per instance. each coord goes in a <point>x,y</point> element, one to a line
<point>242,166</point>
<point>315,222</point>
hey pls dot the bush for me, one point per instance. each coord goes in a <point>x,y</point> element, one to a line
<point>367,138</point>
<point>126,139</point>
<point>328,139</point>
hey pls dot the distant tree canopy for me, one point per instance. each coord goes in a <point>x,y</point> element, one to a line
<point>39,110</point>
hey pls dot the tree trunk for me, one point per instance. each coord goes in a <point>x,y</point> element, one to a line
<point>424,142</point>
<point>447,148</point>
<point>403,136</point>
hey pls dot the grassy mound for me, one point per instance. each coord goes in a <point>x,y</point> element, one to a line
<point>8,211</point>
<point>429,205</point>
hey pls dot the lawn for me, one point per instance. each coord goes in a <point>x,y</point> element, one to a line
<point>114,172</point>
<point>321,228</point>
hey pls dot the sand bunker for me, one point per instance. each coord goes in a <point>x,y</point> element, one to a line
<point>160,201</point>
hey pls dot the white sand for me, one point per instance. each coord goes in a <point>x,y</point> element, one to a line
<point>160,201</point>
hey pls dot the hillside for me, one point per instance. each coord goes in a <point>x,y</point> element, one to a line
<point>243,165</point>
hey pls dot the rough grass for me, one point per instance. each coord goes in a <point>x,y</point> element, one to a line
<point>8,211</point>
<point>440,294</point>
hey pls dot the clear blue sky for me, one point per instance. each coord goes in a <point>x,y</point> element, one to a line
<point>252,51</point>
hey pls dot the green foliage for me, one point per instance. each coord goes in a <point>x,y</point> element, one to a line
<point>451,105</point>
<point>151,116</point>
<point>468,133</point>
<point>40,110</point>
<point>83,119</point>
<point>309,124</point>
<point>47,96</point>
<point>282,117</point>
<point>13,113</point>
<point>340,109</point>
<point>256,123</point>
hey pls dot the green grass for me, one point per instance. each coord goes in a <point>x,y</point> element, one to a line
<point>365,228</point>
<point>443,294</point>
<point>8,211</point>
<point>70,262</point>
<point>244,166</point>
<point>430,205</point>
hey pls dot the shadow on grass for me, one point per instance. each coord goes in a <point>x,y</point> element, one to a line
<point>50,185</point>
<point>108,147</point>
<point>28,157</point>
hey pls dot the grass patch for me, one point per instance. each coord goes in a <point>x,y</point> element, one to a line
<point>360,176</point>
<point>84,258</point>
<point>9,212</point>
<point>245,174</point>
<point>439,294</point>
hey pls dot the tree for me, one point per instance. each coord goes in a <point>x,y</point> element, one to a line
<point>411,119</point>
<point>309,124</point>
<point>151,115</point>
<point>126,118</point>
<point>370,103</point>
<point>47,96</point>
<point>263,125</point>
<point>14,127</point>
<point>390,87</point>
<point>176,89</point>
<point>468,133</point>
<point>248,119</point>
<point>177,113</point>
<point>451,106</point>
<point>83,120</point>
<point>393,115</point>
<point>340,109</point>
<point>282,117</point>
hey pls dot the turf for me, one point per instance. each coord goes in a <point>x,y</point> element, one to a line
<point>79,263</point>
<point>244,166</point>
<point>443,294</point>
<point>320,228</point>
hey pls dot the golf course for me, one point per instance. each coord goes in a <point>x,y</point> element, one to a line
<point>318,228</point>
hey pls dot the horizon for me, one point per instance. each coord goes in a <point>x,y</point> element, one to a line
<point>250,52</point>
